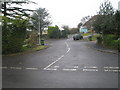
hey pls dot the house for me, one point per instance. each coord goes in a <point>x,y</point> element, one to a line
<point>89,23</point>
<point>83,29</point>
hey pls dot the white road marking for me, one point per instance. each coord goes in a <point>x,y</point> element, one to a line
<point>31,68</point>
<point>67,47</point>
<point>58,58</point>
<point>53,62</point>
<point>69,69</point>
<point>3,67</point>
<point>90,70</point>
<point>16,68</point>
<point>56,66</point>
<point>93,67</point>
<point>68,50</point>
<point>106,70</point>
<point>111,67</point>
<point>76,67</point>
<point>51,69</point>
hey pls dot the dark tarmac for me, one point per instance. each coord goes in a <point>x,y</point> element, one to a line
<point>65,64</point>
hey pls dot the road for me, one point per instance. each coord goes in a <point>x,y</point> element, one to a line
<point>65,64</point>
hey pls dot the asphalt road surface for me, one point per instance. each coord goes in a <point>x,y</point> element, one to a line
<point>65,64</point>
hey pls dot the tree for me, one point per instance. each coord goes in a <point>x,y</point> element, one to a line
<point>54,32</point>
<point>14,35</point>
<point>66,28</point>
<point>14,26</point>
<point>106,8</point>
<point>117,22</point>
<point>105,22</point>
<point>9,10</point>
<point>41,19</point>
<point>79,25</point>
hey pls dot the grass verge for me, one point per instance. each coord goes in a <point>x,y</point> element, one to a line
<point>94,38</point>
<point>28,50</point>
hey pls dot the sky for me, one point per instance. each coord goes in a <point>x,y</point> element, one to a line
<point>70,12</point>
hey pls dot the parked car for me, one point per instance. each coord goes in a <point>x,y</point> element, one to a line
<point>77,37</point>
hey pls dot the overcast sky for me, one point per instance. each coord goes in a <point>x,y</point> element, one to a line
<point>70,12</point>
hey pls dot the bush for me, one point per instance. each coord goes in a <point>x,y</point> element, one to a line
<point>13,35</point>
<point>115,44</point>
<point>99,40</point>
<point>54,32</point>
<point>107,39</point>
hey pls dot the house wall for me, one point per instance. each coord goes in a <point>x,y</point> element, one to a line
<point>83,30</point>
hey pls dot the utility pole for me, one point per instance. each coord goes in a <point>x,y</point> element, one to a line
<point>39,27</point>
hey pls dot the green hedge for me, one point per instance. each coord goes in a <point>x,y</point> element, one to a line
<point>13,34</point>
<point>110,41</point>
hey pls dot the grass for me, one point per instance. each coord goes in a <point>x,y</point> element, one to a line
<point>27,50</point>
<point>86,34</point>
<point>94,37</point>
<point>37,48</point>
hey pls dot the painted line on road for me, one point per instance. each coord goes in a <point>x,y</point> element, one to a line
<point>69,69</point>
<point>53,62</point>
<point>56,66</point>
<point>95,70</point>
<point>91,67</point>
<point>51,69</point>
<point>31,68</point>
<point>16,68</point>
<point>76,67</point>
<point>111,67</point>
<point>106,70</point>
<point>67,47</point>
<point>58,58</point>
<point>3,67</point>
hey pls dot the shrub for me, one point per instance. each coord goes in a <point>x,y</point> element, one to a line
<point>115,44</point>
<point>99,40</point>
<point>107,39</point>
<point>13,35</point>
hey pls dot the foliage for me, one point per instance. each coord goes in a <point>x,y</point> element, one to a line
<point>32,39</point>
<point>109,40</point>
<point>79,25</point>
<point>99,40</point>
<point>85,34</point>
<point>105,22</point>
<point>64,34</point>
<point>13,34</point>
<point>40,19</point>
<point>106,8</point>
<point>74,30</point>
<point>14,9</point>
<point>55,32</point>
<point>66,28</point>
<point>117,22</point>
